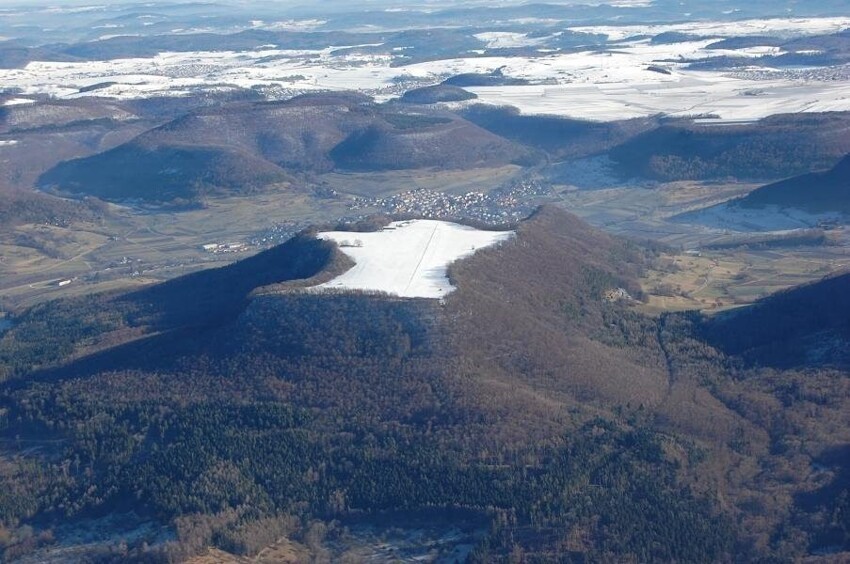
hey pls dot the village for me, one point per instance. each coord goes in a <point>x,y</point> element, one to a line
<point>508,203</point>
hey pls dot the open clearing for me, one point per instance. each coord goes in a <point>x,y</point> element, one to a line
<point>407,258</point>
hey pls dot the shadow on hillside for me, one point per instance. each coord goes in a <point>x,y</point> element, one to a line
<point>802,327</point>
<point>832,500</point>
<point>212,297</point>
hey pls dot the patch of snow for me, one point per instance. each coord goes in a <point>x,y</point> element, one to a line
<point>408,258</point>
<point>749,52</point>
<point>632,3</point>
<point>687,95</point>
<point>290,25</point>
<point>786,27</point>
<point>18,102</point>
<point>507,39</point>
<point>72,10</point>
<point>535,21</point>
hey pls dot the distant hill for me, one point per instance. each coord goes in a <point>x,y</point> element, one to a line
<point>54,115</point>
<point>561,138</point>
<point>50,131</point>
<point>816,192</point>
<point>494,78</point>
<point>243,146</point>
<point>436,94</point>
<point>410,142</point>
<point>775,147</point>
<point>814,51</point>
<point>178,174</point>
<point>25,206</point>
<point>15,55</point>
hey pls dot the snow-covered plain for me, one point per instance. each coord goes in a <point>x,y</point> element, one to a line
<point>729,218</point>
<point>789,27</point>
<point>18,102</point>
<point>506,39</point>
<point>604,85</point>
<point>407,258</point>
<point>693,94</point>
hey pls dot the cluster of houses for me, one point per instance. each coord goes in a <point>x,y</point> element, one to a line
<point>510,202</point>
<point>217,248</point>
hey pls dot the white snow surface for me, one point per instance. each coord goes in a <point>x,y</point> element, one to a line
<point>506,39</point>
<point>407,258</point>
<point>18,102</point>
<point>787,27</point>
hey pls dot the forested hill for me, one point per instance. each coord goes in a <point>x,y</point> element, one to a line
<point>249,145</point>
<point>818,192</point>
<point>579,429</point>
<point>773,148</point>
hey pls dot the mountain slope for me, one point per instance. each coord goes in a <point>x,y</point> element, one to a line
<point>562,138</point>
<point>805,326</point>
<point>817,192</point>
<point>776,147</point>
<point>250,145</point>
<point>345,405</point>
<point>162,173</point>
<point>227,403</point>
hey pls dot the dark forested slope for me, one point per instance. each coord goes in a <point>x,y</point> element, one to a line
<point>817,192</point>
<point>806,326</point>
<point>561,138</point>
<point>776,147</point>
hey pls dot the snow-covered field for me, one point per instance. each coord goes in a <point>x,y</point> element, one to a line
<point>18,102</point>
<point>788,27</point>
<point>728,218</point>
<point>693,94</point>
<point>506,39</point>
<point>598,85</point>
<point>408,258</point>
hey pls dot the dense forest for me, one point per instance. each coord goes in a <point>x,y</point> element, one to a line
<point>777,147</point>
<point>237,410</point>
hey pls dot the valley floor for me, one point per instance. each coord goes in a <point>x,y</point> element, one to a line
<point>708,264</point>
